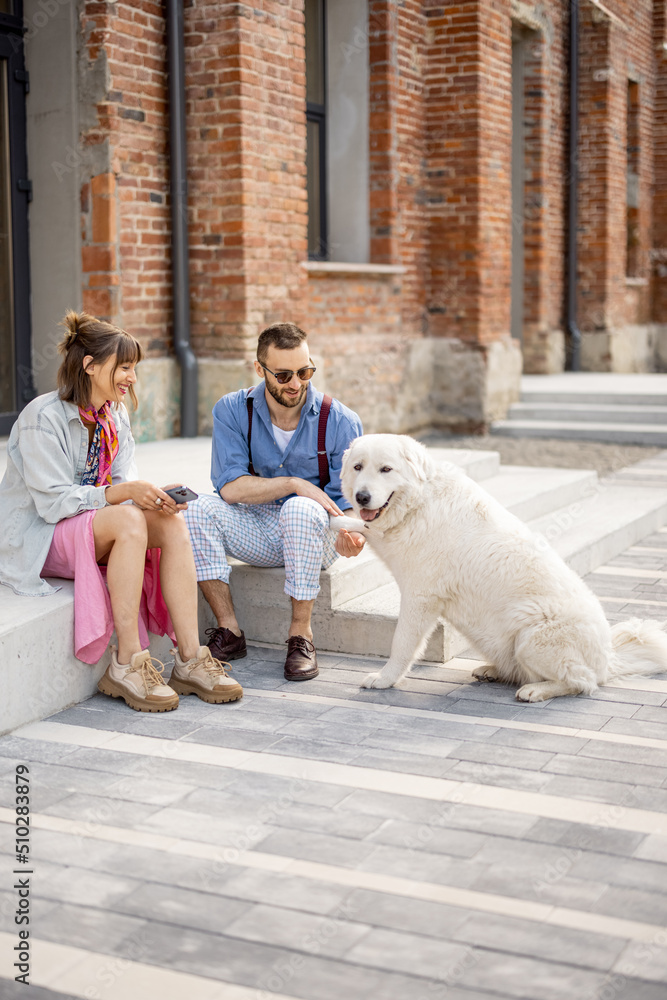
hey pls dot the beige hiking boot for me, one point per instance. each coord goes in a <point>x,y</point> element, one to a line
<point>139,683</point>
<point>204,676</point>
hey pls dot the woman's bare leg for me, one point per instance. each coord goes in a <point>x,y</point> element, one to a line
<point>178,577</point>
<point>121,534</point>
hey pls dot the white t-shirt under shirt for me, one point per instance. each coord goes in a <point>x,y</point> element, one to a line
<point>282,437</point>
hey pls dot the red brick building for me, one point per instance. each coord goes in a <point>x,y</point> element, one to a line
<point>393,177</point>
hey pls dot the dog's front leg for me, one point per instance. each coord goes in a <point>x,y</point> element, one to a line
<point>416,621</point>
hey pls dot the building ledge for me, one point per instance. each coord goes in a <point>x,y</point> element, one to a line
<point>339,268</point>
<point>636,282</point>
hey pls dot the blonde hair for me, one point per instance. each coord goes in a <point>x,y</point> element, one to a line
<point>87,336</point>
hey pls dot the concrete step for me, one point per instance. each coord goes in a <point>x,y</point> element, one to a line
<point>531,492</point>
<point>632,389</point>
<point>590,532</point>
<point>595,413</point>
<point>41,675</point>
<point>640,434</point>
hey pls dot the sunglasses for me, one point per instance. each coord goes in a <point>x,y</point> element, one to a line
<point>304,374</point>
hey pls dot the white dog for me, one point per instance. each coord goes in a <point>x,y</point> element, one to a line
<point>457,553</point>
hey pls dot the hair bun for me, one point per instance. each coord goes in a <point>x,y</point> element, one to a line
<point>72,323</point>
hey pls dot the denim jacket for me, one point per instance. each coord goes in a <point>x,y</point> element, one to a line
<point>46,459</point>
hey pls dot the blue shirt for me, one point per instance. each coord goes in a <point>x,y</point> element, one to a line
<point>230,458</point>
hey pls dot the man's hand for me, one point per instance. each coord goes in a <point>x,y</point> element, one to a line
<point>349,543</point>
<point>303,488</point>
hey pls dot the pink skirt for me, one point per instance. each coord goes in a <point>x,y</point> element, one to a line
<point>72,557</point>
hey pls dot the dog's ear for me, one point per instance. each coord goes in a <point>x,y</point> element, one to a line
<point>416,456</point>
<point>344,469</point>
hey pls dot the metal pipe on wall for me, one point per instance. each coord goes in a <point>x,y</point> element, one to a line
<point>573,202</point>
<point>179,219</point>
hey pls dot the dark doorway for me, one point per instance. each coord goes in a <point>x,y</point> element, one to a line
<point>16,384</point>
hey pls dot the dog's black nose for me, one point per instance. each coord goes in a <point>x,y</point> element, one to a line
<point>363,498</point>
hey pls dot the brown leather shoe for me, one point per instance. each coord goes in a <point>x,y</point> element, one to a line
<point>226,646</point>
<point>301,662</point>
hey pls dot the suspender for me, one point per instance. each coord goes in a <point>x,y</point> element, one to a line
<point>322,458</point>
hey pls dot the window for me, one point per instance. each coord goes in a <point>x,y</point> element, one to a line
<point>337,108</point>
<point>16,386</point>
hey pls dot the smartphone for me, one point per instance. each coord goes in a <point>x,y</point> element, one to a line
<point>181,494</point>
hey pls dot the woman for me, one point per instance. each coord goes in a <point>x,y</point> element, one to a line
<point>65,511</point>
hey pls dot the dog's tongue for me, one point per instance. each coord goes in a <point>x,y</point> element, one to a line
<point>368,515</point>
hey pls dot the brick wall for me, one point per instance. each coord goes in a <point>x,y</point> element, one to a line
<point>440,147</point>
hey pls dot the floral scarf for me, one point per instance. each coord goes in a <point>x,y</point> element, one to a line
<point>104,447</point>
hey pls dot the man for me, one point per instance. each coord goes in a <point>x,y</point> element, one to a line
<point>273,501</point>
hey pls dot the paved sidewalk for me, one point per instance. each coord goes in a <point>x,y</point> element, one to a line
<point>322,842</point>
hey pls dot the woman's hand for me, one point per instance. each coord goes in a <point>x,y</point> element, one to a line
<point>144,495</point>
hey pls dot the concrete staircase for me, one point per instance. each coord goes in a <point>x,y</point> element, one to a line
<point>590,406</point>
<point>587,521</point>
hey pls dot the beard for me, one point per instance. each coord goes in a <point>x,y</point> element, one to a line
<point>289,401</point>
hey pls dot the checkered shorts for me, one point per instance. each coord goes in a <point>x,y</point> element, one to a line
<point>295,535</point>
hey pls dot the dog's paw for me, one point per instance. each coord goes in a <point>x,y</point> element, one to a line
<point>533,692</point>
<point>487,672</point>
<point>375,681</point>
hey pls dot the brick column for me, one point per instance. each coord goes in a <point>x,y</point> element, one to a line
<point>383,138</point>
<point>469,163</point>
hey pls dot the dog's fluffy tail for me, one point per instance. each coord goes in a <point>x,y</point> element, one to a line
<point>640,647</point>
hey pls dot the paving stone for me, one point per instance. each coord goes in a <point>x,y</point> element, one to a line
<point>504,756</point>
<point>273,787</point>
<point>319,729</point>
<point>341,822</point>
<point>440,728</point>
<point>231,830</point>
<point>209,875</point>
<point>648,713</point>
<point>529,978</point>
<point>506,777</point>
<point>583,705</point>
<point>310,846</point>
<point>545,742</point>
<point>87,927</point>
<point>647,959</point>
<point>392,806</point>
<point>653,848</point>
<point>10,990</point>
<point>405,763</point>
<point>606,770</point>
<point>415,836</point>
<point>95,810</point>
<point>545,885</point>
<point>624,694</point>
<point>233,739</point>
<point>86,887</point>
<point>294,746</point>
<point>593,790</point>
<point>650,756</point>
<point>401,913</point>
<point>546,715</point>
<point>183,907</point>
<point>310,895</point>
<point>40,907</point>
<point>542,941</point>
<point>421,865</point>
<point>388,949</point>
<point>637,727</point>
<point>82,851</point>
<point>162,724</point>
<point>631,872</point>
<point>319,935</point>
<point>582,836</point>
<point>23,750</point>
<point>634,904</point>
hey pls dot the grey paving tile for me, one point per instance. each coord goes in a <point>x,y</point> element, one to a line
<point>163,725</point>
<point>272,787</point>
<point>87,927</point>
<point>650,876</point>
<point>95,810</point>
<point>392,806</point>
<point>240,719</point>
<point>503,756</point>
<point>162,769</point>
<point>310,846</point>
<point>405,763</point>
<point>650,756</point>
<point>630,697</point>
<point>607,770</point>
<point>548,885</point>
<point>235,739</point>
<point>582,836</point>
<point>545,742</point>
<point>435,726</point>
<point>40,907</point>
<point>10,990</point>
<point>82,851</point>
<point>530,978</point>
<point>485,709</point>
<point>209,875</point>
<point>319,935</point>
<point>646,797</point>
<point>541,941</point>
<point>184,907</point>
<point>41,795</point>
<point>401,913</point>
<point>389,949</point>
<point>491,821</point>
<point>422,865</point>
<point>583,705</point>
<point>23,750</point>
<point>319,729</point>
<point>415,836</point>
<point>294,746</point>
<point>418,743</point>
<point>634,904</point>
<point>592,789</point>
<point>648,713</point>
<point>653,848</point>
<point>86,887</point>
<point>284,707</point>
<point>548,716</point>
<point>646,959</point>
<point>341,822</point>
<point>309,895</point>
<point>143,785</point>
<point>228,831</point>
<point>507,777</point>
